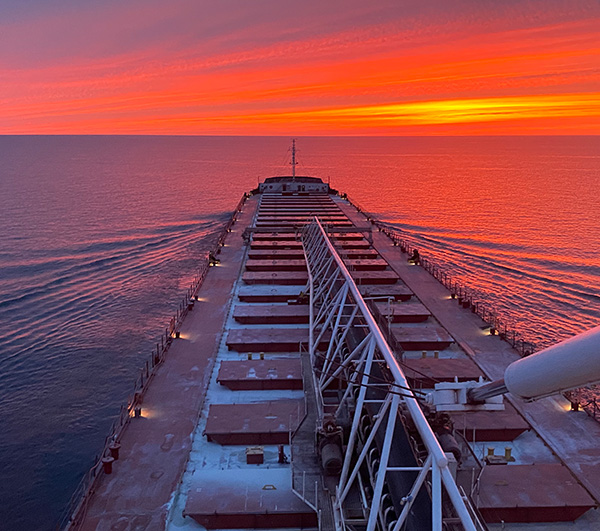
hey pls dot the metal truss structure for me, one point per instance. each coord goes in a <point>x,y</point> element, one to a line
<point>357,377</point>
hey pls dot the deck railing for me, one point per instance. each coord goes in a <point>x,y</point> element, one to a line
<point>76,509</point>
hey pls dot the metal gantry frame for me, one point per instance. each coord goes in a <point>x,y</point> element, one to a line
<point>337,308</point>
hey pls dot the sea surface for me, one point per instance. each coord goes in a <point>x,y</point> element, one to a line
<point>100,236</point>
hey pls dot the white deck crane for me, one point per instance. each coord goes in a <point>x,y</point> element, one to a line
<point>567,365</point>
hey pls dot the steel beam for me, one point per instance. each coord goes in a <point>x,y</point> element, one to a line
<point>332,293</point>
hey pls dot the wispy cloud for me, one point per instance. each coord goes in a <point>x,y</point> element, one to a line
<point>246,67</point>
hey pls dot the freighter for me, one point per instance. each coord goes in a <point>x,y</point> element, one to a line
<point>318,377</point>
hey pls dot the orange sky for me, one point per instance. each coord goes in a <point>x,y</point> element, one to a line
<point>273,67</point>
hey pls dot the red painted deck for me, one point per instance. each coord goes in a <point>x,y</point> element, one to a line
<point>404,312</point>
<point>297,278</point>
<point>276,265</point>
<point>273,245</point>
<point>286,278</point>
<point>288,199</point>
<point>375,264</point>
<point>267,339</point>
<point>343,245</point>
<point>300,265</point>
<point>314,199</point>
<point>300,210</point>
<point>293,236</point>
<point>275,236</point>
<point>271,294</point>
<point>276,254</point>
<point>374,277</point>
<point>284,243</point>
<point>276,314</point>
<point>504,425</point>
<point>428,337</point>
<point>531,493</point>
<point>358,253</point>
<point>252,424</point>
<point>290,224</point>
<point>261,374</point>
<point>399,291</point>
<point>301,218</point>
<point>230,499</point>
<point>425,372</point>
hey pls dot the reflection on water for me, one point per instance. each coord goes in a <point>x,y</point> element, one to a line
<point>101,235</point>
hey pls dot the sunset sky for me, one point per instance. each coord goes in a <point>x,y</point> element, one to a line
<point>315,67</point>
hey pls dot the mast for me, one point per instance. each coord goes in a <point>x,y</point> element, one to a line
<point>293,163</point>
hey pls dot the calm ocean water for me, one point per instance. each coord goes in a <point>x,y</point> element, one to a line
<point>101,235</point>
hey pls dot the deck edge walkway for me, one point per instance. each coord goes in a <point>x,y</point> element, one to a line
<point>155,448</point>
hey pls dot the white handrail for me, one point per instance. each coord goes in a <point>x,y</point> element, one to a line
<point>429,439</point>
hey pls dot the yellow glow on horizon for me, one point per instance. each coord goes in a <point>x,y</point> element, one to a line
<point>441,111</point>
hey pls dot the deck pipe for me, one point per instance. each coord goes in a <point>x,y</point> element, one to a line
<point>567,365</point>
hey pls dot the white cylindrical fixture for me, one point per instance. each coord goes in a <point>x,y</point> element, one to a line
<point>569,364</point>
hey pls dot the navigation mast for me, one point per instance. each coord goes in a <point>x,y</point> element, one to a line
<point>293,163</point>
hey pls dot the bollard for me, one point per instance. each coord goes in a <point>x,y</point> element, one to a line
<point>107,463</point>
<point>114,450</point>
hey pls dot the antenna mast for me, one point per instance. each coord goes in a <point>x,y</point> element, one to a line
<point>293,163</point>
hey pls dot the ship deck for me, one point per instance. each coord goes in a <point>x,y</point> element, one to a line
<point>222,409</point>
